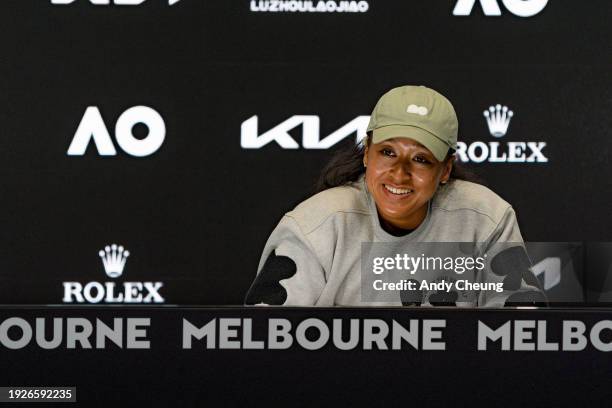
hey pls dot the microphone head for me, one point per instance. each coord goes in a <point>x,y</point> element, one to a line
<point>443,298</point>
<point>512,263</point>
<point>412,297</point>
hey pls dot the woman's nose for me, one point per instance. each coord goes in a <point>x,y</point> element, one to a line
<point>401,172</point>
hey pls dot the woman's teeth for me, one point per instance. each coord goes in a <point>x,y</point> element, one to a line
<point>398,191</point>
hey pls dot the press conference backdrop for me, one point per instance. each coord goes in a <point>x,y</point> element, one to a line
<point>182,130</point>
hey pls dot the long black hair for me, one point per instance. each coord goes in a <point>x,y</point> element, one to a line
<point>346,166</point>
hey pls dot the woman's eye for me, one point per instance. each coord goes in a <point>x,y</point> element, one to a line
<point>387,152</point>
<point>421,160</point>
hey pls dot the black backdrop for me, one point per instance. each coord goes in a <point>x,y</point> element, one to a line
<point>196,213</point>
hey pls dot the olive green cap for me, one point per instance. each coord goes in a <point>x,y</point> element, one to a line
<point>418,113</point>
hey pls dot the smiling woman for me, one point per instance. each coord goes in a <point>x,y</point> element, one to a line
<point>402,177</point>
<point>398,187</point>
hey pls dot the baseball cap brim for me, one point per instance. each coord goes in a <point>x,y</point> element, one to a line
<point>427,139</point>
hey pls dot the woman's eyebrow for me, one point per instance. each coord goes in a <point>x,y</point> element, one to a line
<point>419,147</point>
<point>413,146</point>
<point>384,144</point>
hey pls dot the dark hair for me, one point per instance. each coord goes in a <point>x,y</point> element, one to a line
<point>346,166</point>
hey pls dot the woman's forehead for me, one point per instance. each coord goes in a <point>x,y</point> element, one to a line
<point>403,142</point>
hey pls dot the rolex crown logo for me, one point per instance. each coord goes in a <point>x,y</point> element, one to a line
<point>114,257</point>
<point>498,119</point>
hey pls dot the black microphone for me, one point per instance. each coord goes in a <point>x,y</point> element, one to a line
<point>443,298</point>
<point>412,297</point>
<point>512,263</point>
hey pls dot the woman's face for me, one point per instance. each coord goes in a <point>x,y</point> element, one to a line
<point>402,175</point>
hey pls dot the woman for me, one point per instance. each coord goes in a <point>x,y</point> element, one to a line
<point>398,188</point>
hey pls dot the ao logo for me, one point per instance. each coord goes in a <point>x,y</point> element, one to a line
<point>92,127</point>
<point>520,8</point>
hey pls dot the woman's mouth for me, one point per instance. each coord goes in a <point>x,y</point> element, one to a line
<point>397,191</point>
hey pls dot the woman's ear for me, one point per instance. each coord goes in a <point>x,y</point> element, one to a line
<point>448,167</point>
<point>366,145</point>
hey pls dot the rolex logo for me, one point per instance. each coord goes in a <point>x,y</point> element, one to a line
<point>113,258</point>
<point>498,119</point>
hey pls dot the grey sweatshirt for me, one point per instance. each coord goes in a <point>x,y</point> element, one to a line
<point>314,256</point>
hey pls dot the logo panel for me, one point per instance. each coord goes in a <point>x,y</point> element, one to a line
<point>92,127</point>
<point>520,8</point>
<point>114,258</point>
<point>307,6</point>
<point>498,119</point>
<point>109,2</point>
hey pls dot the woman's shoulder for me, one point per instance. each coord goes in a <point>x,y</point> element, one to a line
<point>312,212</point>
<point>461,195</point>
